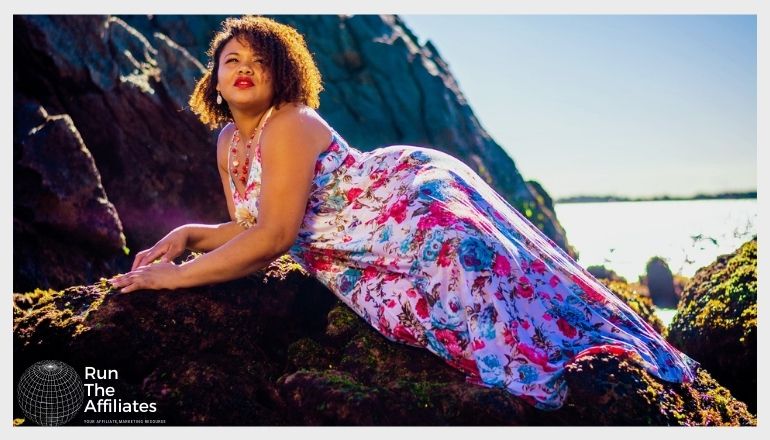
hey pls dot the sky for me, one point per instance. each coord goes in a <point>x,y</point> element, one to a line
<point>630,105</point>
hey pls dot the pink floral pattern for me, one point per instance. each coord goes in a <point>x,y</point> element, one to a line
<point>425,251</point>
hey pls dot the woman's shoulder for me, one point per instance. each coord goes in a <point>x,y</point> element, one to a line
<point>299,122</point>
<point>223,141</point>
<point>296,114</point>
<point>226,133</point>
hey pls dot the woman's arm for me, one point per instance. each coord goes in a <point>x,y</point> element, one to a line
<point>196,237</point>
<point>223,148</point>
<point>289,152</point>
<point>288,162</point>
<point>205,238</point>
<point>250,251</point>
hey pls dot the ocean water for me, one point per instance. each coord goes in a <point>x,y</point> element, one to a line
<point>689,235</point>
<point>623,236</point>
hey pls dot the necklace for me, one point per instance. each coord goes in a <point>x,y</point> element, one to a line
<point>244,174</point>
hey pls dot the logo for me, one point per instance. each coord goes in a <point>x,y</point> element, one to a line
<point>50,393</point>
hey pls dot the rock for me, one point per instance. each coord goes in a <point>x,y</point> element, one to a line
<point>173,348</point>
<point>606,273</point>
<point>193,32</point>
<point>213,390</point>
<point>120,148</point>
<point>278,348</point>
<point>660,283</point>
<point>331,398</point>
<point>181,71</point>
<point>612,390</point>
<point>157,164</point>
<point>716,321</point>
<point>66,230</point>
<point>46,259</point>
<point>67,199</point>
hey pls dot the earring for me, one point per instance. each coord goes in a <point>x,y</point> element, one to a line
<point>219,99</point>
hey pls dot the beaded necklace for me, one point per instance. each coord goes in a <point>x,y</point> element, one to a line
<point>243,176</point>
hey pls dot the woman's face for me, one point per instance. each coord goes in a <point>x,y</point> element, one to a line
<point>243,78</point>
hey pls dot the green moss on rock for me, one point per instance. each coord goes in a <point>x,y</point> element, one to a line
<point>60,314</point>
<point>343,323</point>
<point>716,323</point>
<point>250,352</point>
<point>308,353</point>
<point>616,390</point>
<point>330,397</point>
<point>281,267</point>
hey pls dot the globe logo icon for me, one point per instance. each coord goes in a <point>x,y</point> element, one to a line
<point>50,393</point>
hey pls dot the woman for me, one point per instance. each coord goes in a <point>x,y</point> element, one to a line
<point>411,239</point>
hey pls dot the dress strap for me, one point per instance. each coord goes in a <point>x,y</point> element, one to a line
<point>263,122</point>
<point>258,146</point>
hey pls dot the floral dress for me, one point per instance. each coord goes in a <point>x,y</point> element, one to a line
<point>424,250</point>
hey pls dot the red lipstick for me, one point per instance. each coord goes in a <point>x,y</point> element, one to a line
<point>243,82</point>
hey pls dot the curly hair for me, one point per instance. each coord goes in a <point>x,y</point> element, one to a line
<point>295,76</point>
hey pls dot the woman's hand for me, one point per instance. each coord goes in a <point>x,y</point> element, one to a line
<point>154,276</point>
<point>168,248</point>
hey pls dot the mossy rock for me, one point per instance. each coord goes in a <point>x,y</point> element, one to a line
<point>615,390</point>
<point>716,322</point>
<point>309,354</point>
<point>343,323</point>
<point>280,349</point>
<point>330,397</point>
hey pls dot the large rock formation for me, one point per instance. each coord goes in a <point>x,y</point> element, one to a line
<point>282,350</point>
<point>60,206</point>
<point>716,322</point>
<point>117,127</point>
<point>118,92</point>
